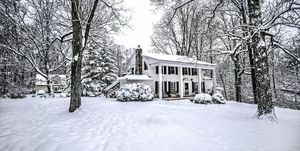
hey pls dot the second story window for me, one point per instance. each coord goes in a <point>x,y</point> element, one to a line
<point>156,69</point>
<point>194,71</point>
<point>171,70</point>
<point>184,71</point>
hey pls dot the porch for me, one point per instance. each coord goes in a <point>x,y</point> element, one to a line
<point>184,86</point>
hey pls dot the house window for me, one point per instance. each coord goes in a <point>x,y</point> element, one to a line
<point>185,71</point>
<point>194,71</point>
<point>55,81</point>
<point>156,69</point>
<point>145,66</point>
<point>172,87</point>
<point>171,70</point>
<point>132,71</point>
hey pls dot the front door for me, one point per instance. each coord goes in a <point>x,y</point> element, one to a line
<point>186,88</point>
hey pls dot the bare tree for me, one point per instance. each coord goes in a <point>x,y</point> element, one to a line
<point>37,37</point>
<point>89,23</point>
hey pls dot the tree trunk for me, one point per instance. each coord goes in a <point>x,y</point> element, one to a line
<point>238,79</point>
<point>249,47</point>
<point>261,66</point>
<point>49,86</point>
<point>273,73</point>
<point>77,58</point>
<point>47,51</point>
<point>224,86</point>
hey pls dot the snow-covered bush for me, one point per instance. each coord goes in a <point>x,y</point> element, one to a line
<point>203,98</point>
<point>135,92</point>
<point>17,95</point>
<point>218,98</point>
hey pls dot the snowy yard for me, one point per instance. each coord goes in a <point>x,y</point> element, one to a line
<point>104,124</point>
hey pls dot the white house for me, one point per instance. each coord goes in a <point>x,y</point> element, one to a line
<point>58,82</point>
<point>170,75</point>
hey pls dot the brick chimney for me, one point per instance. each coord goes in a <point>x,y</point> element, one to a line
<point>138,61</point>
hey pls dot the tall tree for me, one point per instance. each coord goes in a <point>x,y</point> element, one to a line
<point>260,55</point>
<point>77,50</point>
<point>90,19</point>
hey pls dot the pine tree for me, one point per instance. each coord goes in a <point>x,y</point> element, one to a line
<point>99,69</point>
<point>92,71</point>
<point>109,66</point>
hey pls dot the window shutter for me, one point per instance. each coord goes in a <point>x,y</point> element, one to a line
<point>176,70</point>
<point>169,69</point>
<point>193,86</point>
<point>156,68</point>
<point>166,86</point>
<point>156,87</point>
<point>177,87</point>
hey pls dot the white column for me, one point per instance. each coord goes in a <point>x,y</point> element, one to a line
<point>199,80</point>
<point>181,84</point>
<point>214,80</point>
<point>159,82</point>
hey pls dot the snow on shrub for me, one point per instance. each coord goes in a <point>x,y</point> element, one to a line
<point>203,98</point>
<point>218,98</point>
<point>135,92</point>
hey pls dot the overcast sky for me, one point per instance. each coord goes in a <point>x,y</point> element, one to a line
<point>142,21</point>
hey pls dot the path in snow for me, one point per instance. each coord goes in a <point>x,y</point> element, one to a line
<point>104,124</point>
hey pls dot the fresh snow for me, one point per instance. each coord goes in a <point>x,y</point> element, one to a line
<point>203,97</point>
<point>35,124</point>
<point>175,58</point>
<point>135,92</point>
<point>135,77</point>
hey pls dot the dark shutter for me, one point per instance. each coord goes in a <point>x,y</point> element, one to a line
<point>166,86</point>
<point>177,87</point>
<point>156,87</point>
<point>156,69</point>
<point>168,69</point>
<point>193,86</point>
<point>176,70</point>
<point>169,83</point>
<point>165,69</point>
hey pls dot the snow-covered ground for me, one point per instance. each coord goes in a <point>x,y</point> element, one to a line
<point>104,124</point>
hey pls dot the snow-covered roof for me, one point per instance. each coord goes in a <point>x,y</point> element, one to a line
<point>135,77</point>
<point>174,58</point>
